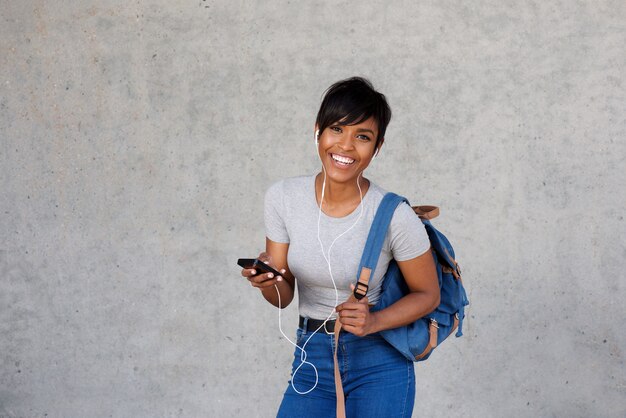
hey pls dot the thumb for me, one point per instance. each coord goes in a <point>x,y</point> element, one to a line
<point>263,256</point>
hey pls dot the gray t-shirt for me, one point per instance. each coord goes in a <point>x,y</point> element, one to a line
<point>291,216</point>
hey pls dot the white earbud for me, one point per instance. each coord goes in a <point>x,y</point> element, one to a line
<point>317,136</point>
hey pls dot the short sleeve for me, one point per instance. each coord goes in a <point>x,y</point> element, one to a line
<point>408,238</point>
<point>274,214</point>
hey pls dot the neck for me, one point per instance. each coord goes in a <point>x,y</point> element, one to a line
<point>340,195</point>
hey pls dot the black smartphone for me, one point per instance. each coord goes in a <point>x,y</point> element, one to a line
<point>258,265</point>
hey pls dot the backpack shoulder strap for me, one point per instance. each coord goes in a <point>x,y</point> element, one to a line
<point>375,240</point>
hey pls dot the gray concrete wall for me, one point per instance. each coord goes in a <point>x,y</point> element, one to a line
<point>138,139</point>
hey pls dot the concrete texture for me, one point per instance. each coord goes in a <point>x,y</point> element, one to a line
<point>138,139</point>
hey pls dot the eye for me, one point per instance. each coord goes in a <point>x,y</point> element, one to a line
<point>336,129</point>
<point>363,137</point>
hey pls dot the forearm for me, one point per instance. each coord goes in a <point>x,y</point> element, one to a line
<point>286,294</point>
<point>410,308</point>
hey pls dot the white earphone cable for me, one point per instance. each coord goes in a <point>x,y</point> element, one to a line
<point>303,354</point>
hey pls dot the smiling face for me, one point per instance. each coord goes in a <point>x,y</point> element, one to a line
<point>346,150</point>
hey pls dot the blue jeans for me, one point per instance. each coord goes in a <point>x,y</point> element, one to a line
<point>377,380</point>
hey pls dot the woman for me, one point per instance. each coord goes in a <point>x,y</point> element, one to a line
<point>316,227</point>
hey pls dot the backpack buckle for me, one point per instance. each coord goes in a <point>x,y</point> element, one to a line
<point>458,270</point>
<point>360,290</point>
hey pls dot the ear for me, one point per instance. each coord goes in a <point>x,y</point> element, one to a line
<point>379,146</point>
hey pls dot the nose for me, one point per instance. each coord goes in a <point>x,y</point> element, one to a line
<point>345,141</point>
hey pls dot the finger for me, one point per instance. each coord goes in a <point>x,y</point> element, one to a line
<point>252,274</point>
<point>266,276</point>
<point>358,331</point>
<point>248,272</point>
<point>352,327</point>
<point>269,263</point>
<point>265,284</point>
<point>351,306</point>
<point>351,314</point>
<point>269,276</point>
<point>348,305</point>
<point>264,280</point>
<point>343,306</point>
<point>260,278</point>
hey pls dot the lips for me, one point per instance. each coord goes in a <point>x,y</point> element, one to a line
<point>342,159</point>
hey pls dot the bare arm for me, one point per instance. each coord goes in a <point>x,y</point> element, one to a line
<point>421,277</point>
<point>276,256</point>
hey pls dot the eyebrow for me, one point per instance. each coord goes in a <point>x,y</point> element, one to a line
<point>365,130</point>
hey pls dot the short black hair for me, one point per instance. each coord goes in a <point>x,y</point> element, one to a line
<point>352,101</point>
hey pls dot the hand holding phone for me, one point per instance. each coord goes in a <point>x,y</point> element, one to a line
<point>264,275</point>
<point>256,264</point>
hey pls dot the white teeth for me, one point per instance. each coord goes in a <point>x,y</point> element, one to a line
<point>341,159</point>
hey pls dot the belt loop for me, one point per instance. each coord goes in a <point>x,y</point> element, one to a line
<point>305,325</point>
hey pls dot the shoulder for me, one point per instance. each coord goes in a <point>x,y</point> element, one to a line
<point>290,194</point>
<point>375,194</point>
<point>289,186</point>
<point>408,236</point>
<point>402,213</point>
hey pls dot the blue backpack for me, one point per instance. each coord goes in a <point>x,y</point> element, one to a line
<point>417,340</point>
